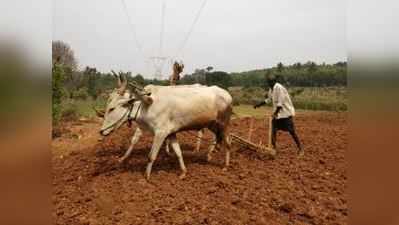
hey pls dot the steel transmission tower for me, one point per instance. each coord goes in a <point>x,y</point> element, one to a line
<point>159,61</point>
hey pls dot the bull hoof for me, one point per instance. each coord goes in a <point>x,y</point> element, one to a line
<point>182,176</point>
<point>147,177</point>
<point>225,169</point>
<point>301,153</point>
<point>122,160</point>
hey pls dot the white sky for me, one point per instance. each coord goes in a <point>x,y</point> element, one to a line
<point>26,24</point>
<point>229,35</point>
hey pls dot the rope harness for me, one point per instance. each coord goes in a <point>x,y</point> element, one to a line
<point>129,118</point>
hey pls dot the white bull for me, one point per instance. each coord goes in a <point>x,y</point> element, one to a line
<point>168,110</point>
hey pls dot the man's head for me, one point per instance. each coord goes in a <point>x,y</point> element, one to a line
<point>271,80</point>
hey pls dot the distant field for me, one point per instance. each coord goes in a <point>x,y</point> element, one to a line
<point>249,111</point>
<point>309,98</point>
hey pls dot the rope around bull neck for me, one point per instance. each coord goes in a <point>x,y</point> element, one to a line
<point>128,112</point>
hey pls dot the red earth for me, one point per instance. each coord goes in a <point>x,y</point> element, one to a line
<point>91,187</point>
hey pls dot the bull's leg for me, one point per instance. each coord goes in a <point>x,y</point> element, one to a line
<point>199,137</point>
<point>211,149</point>
<point>135,139</point>
<point>156,146</point>
<point>167,144</point>
<point>176,148</point>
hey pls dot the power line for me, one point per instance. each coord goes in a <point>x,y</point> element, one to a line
<point>158,63</point>
<point>180,49</point>
<point>162,28</point>
<point>133,29</point>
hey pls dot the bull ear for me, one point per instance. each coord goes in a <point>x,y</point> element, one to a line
<point>147,100</point>
<point>99,113</point>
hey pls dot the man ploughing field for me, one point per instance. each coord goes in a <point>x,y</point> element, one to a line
<point>283,111</point>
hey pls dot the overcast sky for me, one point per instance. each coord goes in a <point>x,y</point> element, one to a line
<point>229,35</point>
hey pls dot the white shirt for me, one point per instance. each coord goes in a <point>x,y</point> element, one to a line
<point>279,97</point>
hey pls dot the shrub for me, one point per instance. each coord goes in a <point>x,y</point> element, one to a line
<point>70,112</point>
<point>82,93</point>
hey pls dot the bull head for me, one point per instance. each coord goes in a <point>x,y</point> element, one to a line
<point>120,105</point>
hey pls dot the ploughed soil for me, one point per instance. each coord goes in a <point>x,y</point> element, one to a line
<point>91,187</point>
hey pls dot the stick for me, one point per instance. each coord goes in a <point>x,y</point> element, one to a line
<point>270,131</point>
<point>251,126</point>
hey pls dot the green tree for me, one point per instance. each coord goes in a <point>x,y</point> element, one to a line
<point>219,78</point>
<point>92,75</point>
<point>280,67</point>
<point>63,54</point>
<point>139,79</point>
<point>57,91</point>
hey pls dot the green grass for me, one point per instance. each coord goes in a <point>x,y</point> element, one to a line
<point>321,98</point>
<point>308,98</point>
<point>82,108</point>
<point>249,111</point>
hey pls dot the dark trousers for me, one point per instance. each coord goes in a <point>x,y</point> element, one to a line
<point>287,125</point>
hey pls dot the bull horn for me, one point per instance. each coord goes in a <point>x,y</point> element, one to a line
<point>118,78</point>
<point>99,113</point>
<point>123,78</point>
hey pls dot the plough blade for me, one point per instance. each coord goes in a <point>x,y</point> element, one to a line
<point>252,146</point>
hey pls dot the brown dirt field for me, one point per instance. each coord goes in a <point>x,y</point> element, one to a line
<point>90,187</point>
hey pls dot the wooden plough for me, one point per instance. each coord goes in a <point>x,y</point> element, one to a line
<point>268,150</point>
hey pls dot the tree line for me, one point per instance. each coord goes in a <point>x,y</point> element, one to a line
<point>308,74</point>
<point>70,82</point>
